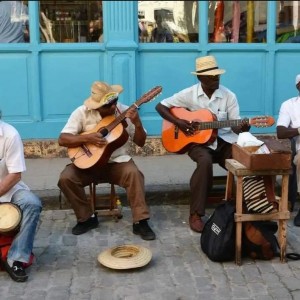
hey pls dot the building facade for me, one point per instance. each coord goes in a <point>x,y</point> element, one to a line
<point>72,44</point>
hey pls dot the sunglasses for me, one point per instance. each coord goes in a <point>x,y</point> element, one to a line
<point>113,102</point>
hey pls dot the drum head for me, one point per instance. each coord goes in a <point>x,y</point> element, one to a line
<point>10,217</point>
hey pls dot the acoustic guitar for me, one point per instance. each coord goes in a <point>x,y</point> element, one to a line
<point>206,127</point>
<point>110,127</point>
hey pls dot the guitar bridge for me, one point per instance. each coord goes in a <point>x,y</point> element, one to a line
<point>86,150</point>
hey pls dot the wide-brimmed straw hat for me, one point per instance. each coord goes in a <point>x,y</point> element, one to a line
<point>207,65</point>
<point>125,257</point>
<point>101,94</point>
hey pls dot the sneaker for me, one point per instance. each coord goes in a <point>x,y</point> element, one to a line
<point>83,227</point>
<point>297,219</point>
<point>196,223</point>
<point>143,229</point>
<point>16,272</point>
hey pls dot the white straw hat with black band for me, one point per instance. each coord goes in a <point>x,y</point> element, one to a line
<point>207,65</point>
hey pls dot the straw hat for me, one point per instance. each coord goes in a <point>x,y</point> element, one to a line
<point>101,94</point>
<point>207,65</point>
<point>125,257</point>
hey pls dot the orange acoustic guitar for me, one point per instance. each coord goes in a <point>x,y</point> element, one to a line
<point>110,127</point>
<point>206,128</point>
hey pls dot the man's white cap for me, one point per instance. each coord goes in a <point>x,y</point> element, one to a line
<point>297,79</point>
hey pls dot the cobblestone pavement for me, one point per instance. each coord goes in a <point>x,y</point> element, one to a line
<point>66,266</point>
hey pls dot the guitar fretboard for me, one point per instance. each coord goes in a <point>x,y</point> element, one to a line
<point>218,124</point>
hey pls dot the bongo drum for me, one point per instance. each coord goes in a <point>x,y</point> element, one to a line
<point>10,218</point>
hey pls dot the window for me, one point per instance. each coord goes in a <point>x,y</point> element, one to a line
<point>288,27</point>
<point>71,21</point>
<point>168,21</point>
<point>14,22</point>
<point>237,21</point>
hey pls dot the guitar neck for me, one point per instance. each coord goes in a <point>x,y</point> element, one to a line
<point>218,124</point>
<point>145,98</point>
<point>122,116</point>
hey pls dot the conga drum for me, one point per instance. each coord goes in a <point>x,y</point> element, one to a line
<point>10,218</point>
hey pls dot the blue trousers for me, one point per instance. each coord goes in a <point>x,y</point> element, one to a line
<point>31,207</point>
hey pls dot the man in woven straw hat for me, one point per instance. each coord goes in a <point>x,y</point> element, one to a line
<point>14,191</point>
<point>120,169</point>
<point>220,101</point>
<point>288,127</point>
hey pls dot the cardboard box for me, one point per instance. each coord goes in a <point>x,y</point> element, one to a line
<point>276,160</point>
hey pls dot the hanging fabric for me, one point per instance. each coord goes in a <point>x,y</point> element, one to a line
<point>250,21</point>
<point>236,20</point>
<point>218,34</point>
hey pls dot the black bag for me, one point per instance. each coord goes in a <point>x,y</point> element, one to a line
<point>218,236</point>
<point>259,240</point>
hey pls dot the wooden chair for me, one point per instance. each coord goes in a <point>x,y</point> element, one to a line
<point>104,205</point>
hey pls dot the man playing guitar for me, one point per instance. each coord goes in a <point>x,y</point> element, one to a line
<point>118,168</point>
<point>208,95</point>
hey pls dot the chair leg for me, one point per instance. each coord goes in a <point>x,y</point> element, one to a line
<point>60,199</point>
<point>92,188</point>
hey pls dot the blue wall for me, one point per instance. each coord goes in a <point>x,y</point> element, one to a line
<point>40,84</point>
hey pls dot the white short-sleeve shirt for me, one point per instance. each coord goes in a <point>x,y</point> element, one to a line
<point>223,104</point>
<point>289,116</point>
<point>11,157</point>
<point>83,119</point>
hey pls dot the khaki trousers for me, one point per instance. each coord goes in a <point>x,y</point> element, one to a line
<point>73,180</point>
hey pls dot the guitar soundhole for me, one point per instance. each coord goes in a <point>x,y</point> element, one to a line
<point>104,132</point>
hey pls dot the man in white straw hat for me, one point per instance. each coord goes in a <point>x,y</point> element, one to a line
<point>288,127</point>
<point>208,94</point>
<point>120,169</point>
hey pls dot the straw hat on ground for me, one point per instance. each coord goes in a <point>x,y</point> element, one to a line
<point>207,65</point>
<point>101,94</point>
<point>125,257</point>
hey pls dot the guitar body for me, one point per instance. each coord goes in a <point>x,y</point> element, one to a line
<point>111,128</point>
<point>90,155</point>
<point>174,140</point>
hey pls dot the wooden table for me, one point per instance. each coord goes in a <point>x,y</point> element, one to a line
<point>237,169</point>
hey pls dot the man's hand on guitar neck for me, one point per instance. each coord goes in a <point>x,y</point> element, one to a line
<point>243,127</point>
<point>140,134</point>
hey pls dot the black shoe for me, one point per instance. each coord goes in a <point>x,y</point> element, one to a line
<point>83,227</point>
<point>297,219</point>
<point>143,229</point>
<point>16,272</point>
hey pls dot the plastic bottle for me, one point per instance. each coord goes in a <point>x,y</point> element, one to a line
<point>119,205</point>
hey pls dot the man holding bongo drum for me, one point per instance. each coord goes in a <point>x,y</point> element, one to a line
<point>14,191</point>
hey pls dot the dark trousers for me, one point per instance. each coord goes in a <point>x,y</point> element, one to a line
<point>73,180</point>
<point>202,179</point>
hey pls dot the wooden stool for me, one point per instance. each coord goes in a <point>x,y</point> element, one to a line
<point>237,169</point>
<point>104,205</point>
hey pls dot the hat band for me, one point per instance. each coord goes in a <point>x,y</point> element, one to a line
<point>205,70</point>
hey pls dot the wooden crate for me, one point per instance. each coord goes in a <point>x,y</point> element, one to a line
<point>276,160</point>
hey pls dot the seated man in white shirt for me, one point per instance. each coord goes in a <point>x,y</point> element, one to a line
<point>13,190</point>
<point>207,94</point>
<point>120,168</point>
<point>288,127</point>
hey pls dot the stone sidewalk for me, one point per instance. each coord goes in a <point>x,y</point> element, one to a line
<point>66,266</point>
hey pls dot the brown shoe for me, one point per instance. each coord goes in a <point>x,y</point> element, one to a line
<point>196,223</point>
